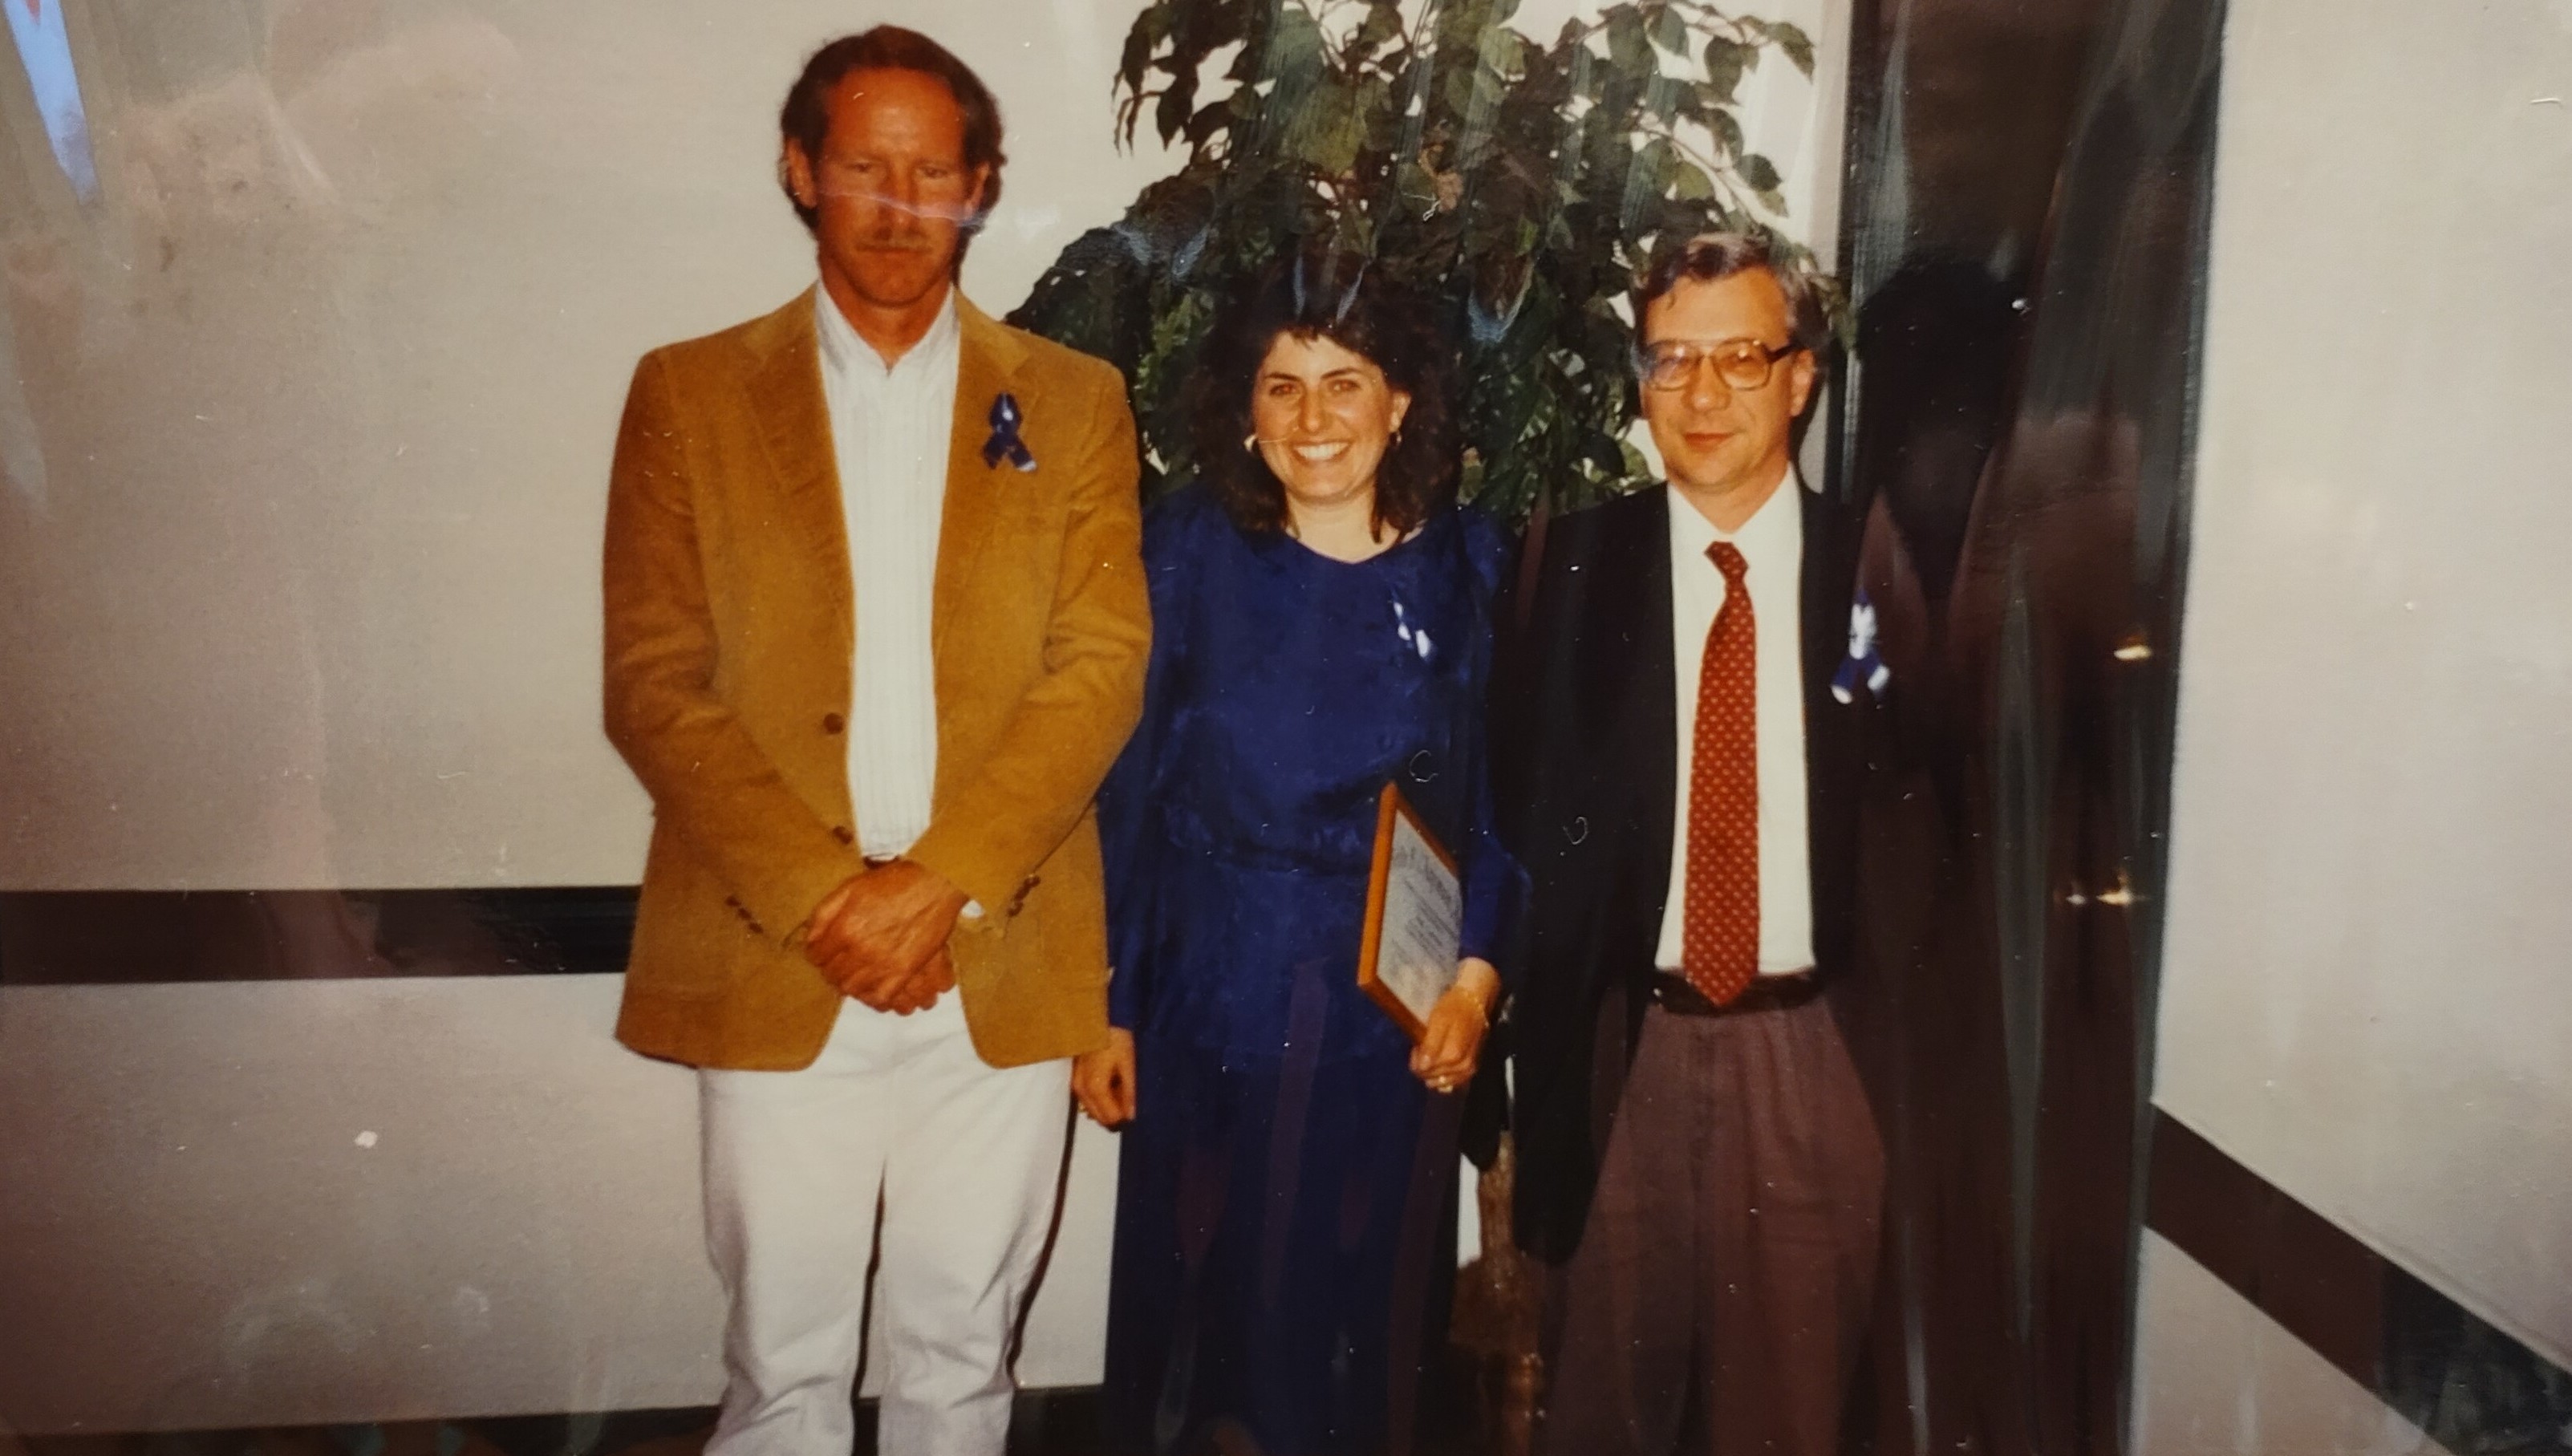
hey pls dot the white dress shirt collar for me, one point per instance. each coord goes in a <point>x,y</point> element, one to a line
<point>1774,532</point>
<point>843,352</point>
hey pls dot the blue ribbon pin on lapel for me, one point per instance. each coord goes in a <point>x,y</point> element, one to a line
<point>1004,444</point>
<point>1863,663</point>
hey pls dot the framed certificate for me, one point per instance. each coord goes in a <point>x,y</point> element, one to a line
<point>1414,918</point>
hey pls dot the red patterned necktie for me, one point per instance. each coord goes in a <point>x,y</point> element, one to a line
<point>1720,952</point>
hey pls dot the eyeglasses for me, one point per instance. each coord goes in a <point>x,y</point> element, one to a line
<point>1742,363</point>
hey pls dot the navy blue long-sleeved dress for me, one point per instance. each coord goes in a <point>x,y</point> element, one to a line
<point>1285,1215</point>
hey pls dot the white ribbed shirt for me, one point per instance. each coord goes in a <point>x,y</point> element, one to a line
<point>888,436</point>
<point>1772,542</point>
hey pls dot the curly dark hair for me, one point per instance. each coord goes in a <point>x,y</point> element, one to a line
<point>1318,294</point>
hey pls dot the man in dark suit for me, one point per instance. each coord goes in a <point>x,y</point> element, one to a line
<point>1698,1162</point>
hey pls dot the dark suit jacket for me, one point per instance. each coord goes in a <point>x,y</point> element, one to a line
<point>1584,714</point>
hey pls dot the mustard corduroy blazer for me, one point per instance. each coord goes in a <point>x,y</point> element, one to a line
<point>729,632</point>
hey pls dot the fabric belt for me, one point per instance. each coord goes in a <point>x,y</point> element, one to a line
<point>1673,993</point>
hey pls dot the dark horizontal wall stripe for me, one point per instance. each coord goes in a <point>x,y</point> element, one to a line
<point>2472,1386</point>
<point>122,936</point>
<point>2294,1264</point>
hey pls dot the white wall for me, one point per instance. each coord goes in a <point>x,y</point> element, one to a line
<point>292,1203</point>
<point>2214,1376</point>
<point>2365,998</point>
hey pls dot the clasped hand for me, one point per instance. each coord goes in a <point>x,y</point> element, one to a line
<point>880,937</point>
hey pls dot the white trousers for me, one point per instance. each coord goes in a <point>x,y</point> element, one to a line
<point>966,1158</point>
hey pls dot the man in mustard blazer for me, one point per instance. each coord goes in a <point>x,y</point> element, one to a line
<point>875,627</point>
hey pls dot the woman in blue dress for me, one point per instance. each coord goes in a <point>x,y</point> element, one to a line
<point>1285,1219</point>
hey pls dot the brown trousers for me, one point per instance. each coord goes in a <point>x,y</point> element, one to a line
<point>1722,1290</point>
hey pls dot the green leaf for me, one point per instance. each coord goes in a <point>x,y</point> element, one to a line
<point>1647,181</point>
<point>1294,47</point>
<point>1629,45</point>
<point>1757,173</point>
<point>1178,105</point>
<point>1383,23</point>
<point>1671,32</point>
<point>1727,133</point>
<point>1208,123</point>
<point>1328,125</point>
<point>1663,96</point>
<point>1690,184</point>
<point>1582,68</point>
<point>1142,38</point>
<point>1725,60</point>
<point>1797,45</point>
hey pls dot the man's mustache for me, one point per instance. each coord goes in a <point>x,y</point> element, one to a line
<point>908,243</point>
